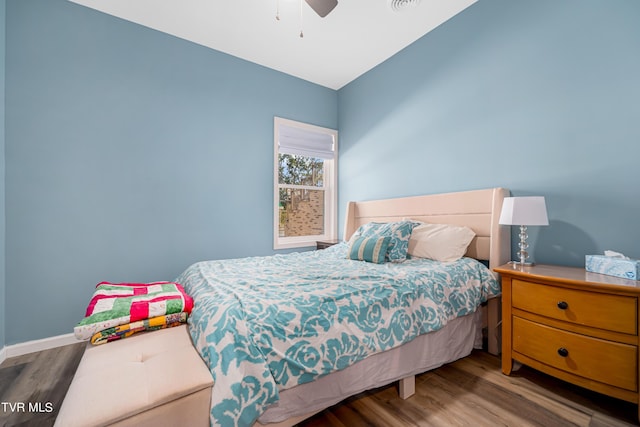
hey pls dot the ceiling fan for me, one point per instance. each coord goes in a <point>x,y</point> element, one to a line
<point>322,7</point>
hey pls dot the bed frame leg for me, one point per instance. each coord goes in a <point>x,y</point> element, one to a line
<point>407,387</point>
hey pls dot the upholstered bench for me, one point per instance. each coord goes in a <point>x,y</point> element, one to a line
<point>152,378</point>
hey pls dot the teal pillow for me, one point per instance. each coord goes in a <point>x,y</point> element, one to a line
<point>399,232</point>
<point>370,249</point>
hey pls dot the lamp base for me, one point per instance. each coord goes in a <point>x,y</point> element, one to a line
<point>521,264</point>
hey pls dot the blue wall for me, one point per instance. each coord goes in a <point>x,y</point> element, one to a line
<point>2,204</point>
<point>130,154</point>
<point>540,97</point>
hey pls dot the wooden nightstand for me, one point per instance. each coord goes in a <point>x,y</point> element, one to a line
<point>324,244</point>
<point>578,326</point>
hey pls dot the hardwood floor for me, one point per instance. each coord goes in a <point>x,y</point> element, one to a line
<point>474,392</point>
<point>38,379</point>
<point>470,392</point>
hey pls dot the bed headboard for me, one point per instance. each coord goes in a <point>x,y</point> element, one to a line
<point>477,209</point>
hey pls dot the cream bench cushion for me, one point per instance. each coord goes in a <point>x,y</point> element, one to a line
<point>153,378</point>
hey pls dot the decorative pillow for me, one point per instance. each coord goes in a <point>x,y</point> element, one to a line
<point>370,249</point>
<point>399,232</point>
<point>440,242</point>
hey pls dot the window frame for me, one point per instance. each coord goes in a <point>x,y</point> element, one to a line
<point>330,187</point>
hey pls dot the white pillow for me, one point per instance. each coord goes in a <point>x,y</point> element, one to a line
<point>440,242</point>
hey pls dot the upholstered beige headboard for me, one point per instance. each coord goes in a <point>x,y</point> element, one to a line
<point>477,209</point>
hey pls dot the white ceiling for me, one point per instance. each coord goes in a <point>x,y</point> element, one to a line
<point>355,37</point>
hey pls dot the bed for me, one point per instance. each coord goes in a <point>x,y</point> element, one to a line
<point>286,336</point>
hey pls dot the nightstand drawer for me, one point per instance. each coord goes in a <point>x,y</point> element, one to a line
<point>604,361</point>
<point>611,312</point>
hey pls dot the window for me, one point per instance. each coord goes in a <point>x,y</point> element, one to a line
<point>305,180</point>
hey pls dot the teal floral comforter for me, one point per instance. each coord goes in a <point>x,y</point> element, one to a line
<point>264,324</point>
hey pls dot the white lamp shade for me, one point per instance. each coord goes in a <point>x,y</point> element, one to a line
<point>524,211</point>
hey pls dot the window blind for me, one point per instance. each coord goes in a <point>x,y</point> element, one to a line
<point>305,143</point>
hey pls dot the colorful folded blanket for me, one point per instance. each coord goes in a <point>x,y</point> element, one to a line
<point>115,304</point>
<point>125,331</point>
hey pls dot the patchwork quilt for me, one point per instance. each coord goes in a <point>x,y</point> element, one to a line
<point>115,304</point>
<point>264,324</point>
<point>125,331</point>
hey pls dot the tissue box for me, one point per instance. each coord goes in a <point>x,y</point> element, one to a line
<point>612,266</point>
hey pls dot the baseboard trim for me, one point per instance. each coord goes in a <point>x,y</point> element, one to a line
<point>36,345</point>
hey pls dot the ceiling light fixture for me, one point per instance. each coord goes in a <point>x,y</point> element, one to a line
<point>398,5</point>
<point>322,7</point>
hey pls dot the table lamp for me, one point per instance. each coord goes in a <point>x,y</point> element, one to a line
<point>523,211</point>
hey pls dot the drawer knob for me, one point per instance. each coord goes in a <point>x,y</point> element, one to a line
<point>563,352</point>
<point>562,305</point>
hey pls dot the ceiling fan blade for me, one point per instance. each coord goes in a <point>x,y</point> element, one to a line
<point>322,7</point>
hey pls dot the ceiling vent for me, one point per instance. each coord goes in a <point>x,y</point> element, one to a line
<point>398,5</point>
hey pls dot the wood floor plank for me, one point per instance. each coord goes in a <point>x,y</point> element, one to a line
<point>477,400</point>
<point>9,375</point>
<point>533,383</point>
<point>533,394</point>
<point>550,392</point>
<point>601,420</point>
